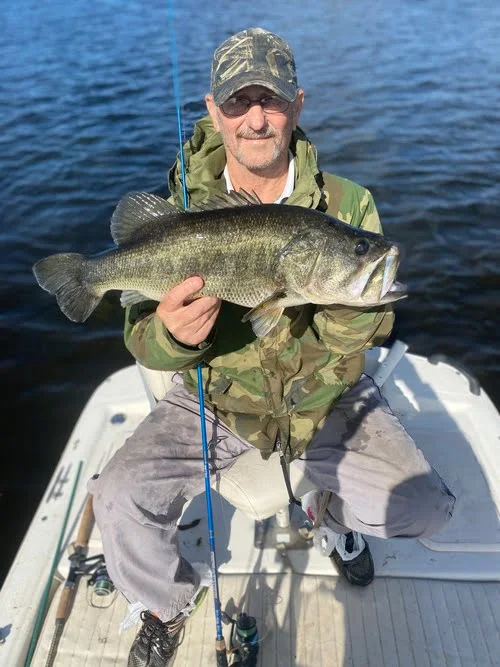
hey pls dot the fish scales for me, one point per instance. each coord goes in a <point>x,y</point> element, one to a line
<point>232,250</point>
<point>266,257</point>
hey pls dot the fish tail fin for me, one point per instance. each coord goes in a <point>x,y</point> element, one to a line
<point>66,276</point>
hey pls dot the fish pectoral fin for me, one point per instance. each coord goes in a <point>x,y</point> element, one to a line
<point>130,297</point>
<point>265,316</point>
<point>227,200</point>
<point>136,211</point>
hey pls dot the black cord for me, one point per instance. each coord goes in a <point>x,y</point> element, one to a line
<point>291,498</point>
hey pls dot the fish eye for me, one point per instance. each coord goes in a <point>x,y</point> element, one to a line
<point>362,247</point>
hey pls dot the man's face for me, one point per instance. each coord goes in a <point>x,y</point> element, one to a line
<point>257,140</point>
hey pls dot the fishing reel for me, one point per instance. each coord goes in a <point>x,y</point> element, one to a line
<point>99,584</point>
<point>100,580</point>
<point>243,640</point>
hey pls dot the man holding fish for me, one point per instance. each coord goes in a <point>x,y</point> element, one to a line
<point>286,375</point>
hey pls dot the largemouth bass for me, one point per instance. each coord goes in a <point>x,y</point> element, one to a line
<point>263,256</point>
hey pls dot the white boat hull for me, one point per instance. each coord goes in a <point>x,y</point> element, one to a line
<point>434,601</point>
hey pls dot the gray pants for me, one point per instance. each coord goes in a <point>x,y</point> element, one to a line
<point>381,483</point>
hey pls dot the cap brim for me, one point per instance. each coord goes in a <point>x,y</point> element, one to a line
<point>288,91</point>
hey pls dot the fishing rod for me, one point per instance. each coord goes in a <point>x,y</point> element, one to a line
<point>45,597</point>
<point>220,643</point>
<point>77,558</point>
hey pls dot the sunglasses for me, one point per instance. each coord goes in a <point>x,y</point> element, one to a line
<point>239,105</point>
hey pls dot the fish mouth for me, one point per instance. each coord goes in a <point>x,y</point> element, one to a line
<point>381,286</point>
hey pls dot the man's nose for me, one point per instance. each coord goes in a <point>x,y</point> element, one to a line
<point>256,118</point>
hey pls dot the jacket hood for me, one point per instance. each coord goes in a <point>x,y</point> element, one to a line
<point>205,159</point>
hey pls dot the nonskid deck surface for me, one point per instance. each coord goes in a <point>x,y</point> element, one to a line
<point>433,602</point>
<point>311,621</point>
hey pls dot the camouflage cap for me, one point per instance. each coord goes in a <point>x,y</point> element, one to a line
<point>253,57</point>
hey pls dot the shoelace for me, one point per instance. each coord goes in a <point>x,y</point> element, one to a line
<point>158,635</point>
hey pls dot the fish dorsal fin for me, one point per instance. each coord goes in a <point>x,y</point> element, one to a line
<point>135,212</point>
<point>227,200</point>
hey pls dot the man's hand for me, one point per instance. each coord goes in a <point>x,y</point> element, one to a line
<point>189,321</point>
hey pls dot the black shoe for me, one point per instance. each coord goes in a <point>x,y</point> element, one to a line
<point>359,571</point>
<point>156,643</point>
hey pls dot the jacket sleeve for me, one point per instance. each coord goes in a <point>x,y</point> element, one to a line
<point>348,331</point>
<point>148,340</point>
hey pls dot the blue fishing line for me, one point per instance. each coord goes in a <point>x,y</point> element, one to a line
<point>177,94</point>
<point>210,518</point>
<point>206,464</point>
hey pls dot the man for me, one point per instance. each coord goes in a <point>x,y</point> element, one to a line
<point>299,389</point>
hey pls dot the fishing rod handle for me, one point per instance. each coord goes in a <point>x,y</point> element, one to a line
<point>64,606</point>
<point>220,652</point>
<point>86,525</point>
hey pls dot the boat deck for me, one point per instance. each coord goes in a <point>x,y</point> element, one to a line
<point>311,621</point>
<point>433,602</point>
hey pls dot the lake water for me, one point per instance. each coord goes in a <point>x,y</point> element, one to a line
<point>401,97</point>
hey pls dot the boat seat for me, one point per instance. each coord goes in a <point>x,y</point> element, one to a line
<point>252,485</point>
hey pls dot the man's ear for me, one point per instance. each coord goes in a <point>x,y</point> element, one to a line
<point>297,107</point>
<point>212,110</point>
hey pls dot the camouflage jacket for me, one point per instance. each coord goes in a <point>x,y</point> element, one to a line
<point>289,380</point>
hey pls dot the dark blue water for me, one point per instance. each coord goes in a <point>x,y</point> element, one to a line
<point>401,97</point>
